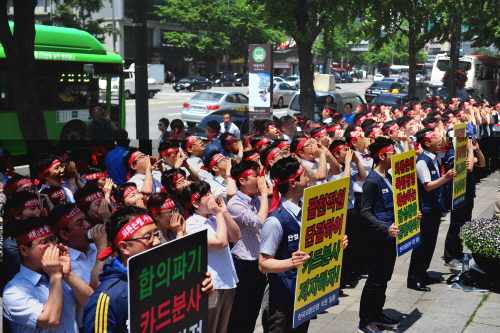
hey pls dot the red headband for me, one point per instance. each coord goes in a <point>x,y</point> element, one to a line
<point>94,176</point>
<point>65,219</point>
<point>283,144</point>
<point>33,234</point>
<point>15,186</point>
<point>354,136</point>
<point>134,157</point>
<point>63,157</point>
<point>447,122</point>
<point>178,176</point>
<point>43,172</point>
<point>459,113</point>
<point>230,138</point>
<point>190,140</point>
<point>383,150</point>
<point>126,232</point>
<point>427,137</point>
<point>360,120</point>
<point>338,148</point>
<point>375,131</point>
<point>333,128</point>
<point>213,162</point>
<point>90,198</point>
<point>246,173</point>
<point>128,190</point>
<point>300,145</point>
<point>252,157</point>
<point>320,133</point>
<point>276,199</point>
<point>27,204</point>
<point>298,120</point>
<point>430,125</point>
<point>57,194</point>
<point>391,128</point>
<point>169,151</point>
<point>167,204</point>
<point>271,155</point>
<point>286,123</point>
<point>262,141</point>
<point>270,127</point>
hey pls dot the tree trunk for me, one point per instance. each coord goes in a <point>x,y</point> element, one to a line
<point>454,50</point>
<point>19,50</point>
<point>306,70</point>
<point>411,72</point>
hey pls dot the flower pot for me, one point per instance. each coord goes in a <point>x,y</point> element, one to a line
<point>491,266</point>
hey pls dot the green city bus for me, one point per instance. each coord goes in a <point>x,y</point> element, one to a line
<point>69,65</point>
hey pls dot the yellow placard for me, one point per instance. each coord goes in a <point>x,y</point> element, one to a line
<point>405,191</point>
<point>460,181</point>
<point>323,227</point>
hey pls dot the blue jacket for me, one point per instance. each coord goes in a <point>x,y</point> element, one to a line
<point>109,301</point>
<point>384,204</point>
<point>282,285</point>
<point>433,200</point>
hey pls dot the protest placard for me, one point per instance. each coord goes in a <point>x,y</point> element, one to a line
<point>165,287</point>
<point>460,181</point>
<point>405,191</point>
<point>323,227</point>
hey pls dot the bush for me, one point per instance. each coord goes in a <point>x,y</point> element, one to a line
<point>482,236</point>
<point>459,77</point>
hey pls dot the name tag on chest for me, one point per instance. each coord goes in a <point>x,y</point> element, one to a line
<point>384,190</point>
<point>292,238</point>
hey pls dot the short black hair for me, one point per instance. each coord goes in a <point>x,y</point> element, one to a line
<point>94,169</point>
<point>82,193</point>
<point>241,167</point>
<point>177,126</point>
<point>214,124</point>
<point>350,104</point>
<point>283,169</point>
<point>316,130</point>
<point>420,134</point>
<point>166,180</point>
<point>119,191</point>
<point>42,162</point>
<point>16,200</point>
<point>249,153</point>
<point>208,159</point>
<point>378,144</point>
<point>51,189</point>
<point>264,124</point>
<point>358,115</point>
<point>403,120</point>
<point>223,138</point>
<point>120,218</point>
<point>121,137</point>
<point>165,122</point>
<point>255,139</point>
<point>12,180</point>
<point>337,143</point>
<point>429,120</point>
<point>263,155</point>
<point>200,186</point>
<point>22,228</point>
<point>285,119</point>
<point>388,124</point>
<point>58,212</point>
<point>367,123</point>
<point>127,158</point>
<point>165,144</point>
<point>369,130</point>
<point>157,199</point>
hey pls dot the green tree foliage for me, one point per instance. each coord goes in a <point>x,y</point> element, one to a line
<point>482,23</point>
<point>78,14</point>
<point>208,27</point>
<point>383,56</point>
<point>334,43</point>
<point>418,21</point>
<point>304,20</point>
<point>486,52</point>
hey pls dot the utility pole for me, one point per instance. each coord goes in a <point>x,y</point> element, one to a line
<point>454,56</point>
<point>141,77</point>
<point>114,24</point>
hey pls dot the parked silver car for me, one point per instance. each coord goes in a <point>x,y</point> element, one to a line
<point>208,101</point>
<point>282,94</point>
<point>294,81</point>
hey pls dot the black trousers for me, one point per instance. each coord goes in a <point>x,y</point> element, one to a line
<point>381,265</point>
<point>282,319</point>
<point>248,296</point>
<point>355,253</point>
<point>421,256</point>
<point>453,248</point>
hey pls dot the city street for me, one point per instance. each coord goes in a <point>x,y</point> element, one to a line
<point>168,104</point>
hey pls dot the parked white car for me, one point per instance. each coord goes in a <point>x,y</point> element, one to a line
<point>378,77</point>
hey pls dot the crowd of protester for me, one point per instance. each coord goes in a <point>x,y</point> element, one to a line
<point>66,251</point>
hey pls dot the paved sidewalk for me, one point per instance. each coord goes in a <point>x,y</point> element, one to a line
<point>440,310</point>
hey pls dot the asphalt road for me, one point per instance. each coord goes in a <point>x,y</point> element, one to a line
<point>168,104</point>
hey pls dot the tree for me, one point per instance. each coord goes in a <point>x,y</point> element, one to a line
<point>304,20</point>
<point>333,43</point>
<point>482,24</point>
<point>419,21</point>
<point>486,52</point>
<point>19,46</point>
<point>78,14</point>
<point>384,55</point>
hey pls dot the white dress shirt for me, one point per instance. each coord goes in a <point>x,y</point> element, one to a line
<point>233,129</point>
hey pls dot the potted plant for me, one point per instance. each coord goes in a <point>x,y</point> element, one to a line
<point>459,77</point>
<point>482,237</point>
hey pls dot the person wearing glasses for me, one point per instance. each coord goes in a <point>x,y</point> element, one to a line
<point>166,216</point>
<point>222,184</point>
<point>195,148</point>
<point>348,114</point>
<point>130,231</point>
<point>46,291</point>
<point>101,127</point>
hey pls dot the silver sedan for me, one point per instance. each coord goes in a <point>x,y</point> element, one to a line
<point>208,101</point>
<point>282,94</point>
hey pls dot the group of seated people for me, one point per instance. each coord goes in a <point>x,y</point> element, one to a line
<point>66,253</point>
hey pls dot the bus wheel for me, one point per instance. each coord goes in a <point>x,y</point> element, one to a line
<point>128,95</point>
<point>73,130</point>
<point>151,94</point>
